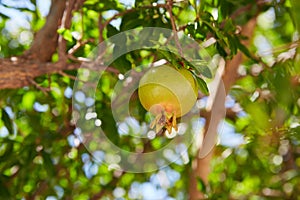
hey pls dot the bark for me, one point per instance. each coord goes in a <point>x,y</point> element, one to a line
<point>66,24</point>
<point>17,72</point>
<point>231,75</point>
<point>21,73</point>
<point>201,167</point>
<point>45,40</point>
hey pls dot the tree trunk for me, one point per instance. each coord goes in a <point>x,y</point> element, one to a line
<point>45,40</point>
<point>201,165</point>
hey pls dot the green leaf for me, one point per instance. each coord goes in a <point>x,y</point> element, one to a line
<point>49,166</point>
<point>6,151</point>
<point>66,33</point>
<point>232,44</point>
<point>111,30</point>
<point>102,5</point>
<point>3,16</point>
<point>166,54</point>
<point>244,49</point>
<point>221,50</point>
<point>171,57</point>
<point>201,84</point>
<point>293,133</point>
<point>4,192</point>
<point>259,114</point>
<point>122,64</point>
<point>295,8</point>
<point>128,23</point>
<point>207,16</point>
<point>197,30</point>
<point>201,67</point>
<point>229,26</point>
<point>201,185</point>
<point>7,121</point>
<point>28,100</point>
<point>91,2</point>
<point>109,125</point>
<point>60,30</point>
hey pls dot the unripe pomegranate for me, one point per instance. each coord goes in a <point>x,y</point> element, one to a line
<point>168,93</point>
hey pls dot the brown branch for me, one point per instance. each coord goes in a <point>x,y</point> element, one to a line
<point>45,40</point>
<point>240,11</point>
<point>201,165</point>
<point>41,187</point>
<point>66,24</point>
<point>67,75</point>
<point>19,72</point>
<point>44,90</point>
<point>169,9</point>
<point>101,27</point>
<point>231,68</point>
<point>78,45</point>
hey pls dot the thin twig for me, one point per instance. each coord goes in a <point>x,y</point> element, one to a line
<point>240,11</point>
<point>78,45</point>
<point>66,24</point>
<point>82,23</point>
<point>101,27</point>
<point>87,83</point>
<point>169,9</point>
<point>120,14</point>
<point>281,48</point>
<point>67,75</point>
<point>49,81</point>
<point>93,65</point>
<point>44,90</point>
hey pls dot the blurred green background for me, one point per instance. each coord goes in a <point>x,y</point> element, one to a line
<point>258,147</point>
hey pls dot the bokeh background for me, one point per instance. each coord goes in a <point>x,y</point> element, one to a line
<point>43,44</point>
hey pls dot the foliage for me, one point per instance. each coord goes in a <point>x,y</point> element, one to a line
<point>41,154</point>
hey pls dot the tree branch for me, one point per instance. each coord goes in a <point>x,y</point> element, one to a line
<point>66,23</point>
<point>45,40</point>
<point>17,73</point>
<point>169,9</point>
<point>231,75</point>
<point>201,165</point>
<point>20,73</point>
